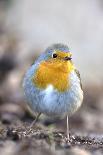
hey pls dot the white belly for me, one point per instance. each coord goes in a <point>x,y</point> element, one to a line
<point>58,103</point>
<point>52,102</point>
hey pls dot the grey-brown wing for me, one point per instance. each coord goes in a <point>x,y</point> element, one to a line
<point>78,74</point>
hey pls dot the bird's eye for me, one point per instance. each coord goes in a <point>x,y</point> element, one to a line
<point>54,55</point>
<point>67,58</point>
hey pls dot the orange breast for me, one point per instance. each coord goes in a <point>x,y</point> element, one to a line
<point>56,74</point>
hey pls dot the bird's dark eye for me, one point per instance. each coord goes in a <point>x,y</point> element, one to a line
<point>67,58</point>
<point>54,55</point>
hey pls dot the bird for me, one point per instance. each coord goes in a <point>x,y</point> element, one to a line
<point>52,84</point>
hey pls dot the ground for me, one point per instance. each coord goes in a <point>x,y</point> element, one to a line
<point>16,138</point>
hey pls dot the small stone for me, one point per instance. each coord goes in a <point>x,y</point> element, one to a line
<point>13,135</point>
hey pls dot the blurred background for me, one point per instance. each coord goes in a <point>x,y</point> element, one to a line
<point>27,28</point>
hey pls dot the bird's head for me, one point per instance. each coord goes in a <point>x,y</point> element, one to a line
<point>58,56</point>
<point>55,65</point>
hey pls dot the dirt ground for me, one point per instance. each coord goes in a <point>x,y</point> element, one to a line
<point>16,138</point>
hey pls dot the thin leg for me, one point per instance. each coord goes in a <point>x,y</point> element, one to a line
<point>34,122</point>
<point>67,128</point>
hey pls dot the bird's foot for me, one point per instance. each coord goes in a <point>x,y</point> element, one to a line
<point>33,123</point>
<point>67,139</point>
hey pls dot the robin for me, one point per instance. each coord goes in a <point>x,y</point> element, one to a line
<point>52,85</point>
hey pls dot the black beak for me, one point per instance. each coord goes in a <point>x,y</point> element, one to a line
<point>67,58</point>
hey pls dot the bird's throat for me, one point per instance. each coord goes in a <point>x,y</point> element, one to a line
<point>55,74</point>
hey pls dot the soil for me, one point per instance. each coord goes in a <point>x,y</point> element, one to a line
<point>16,138</point>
